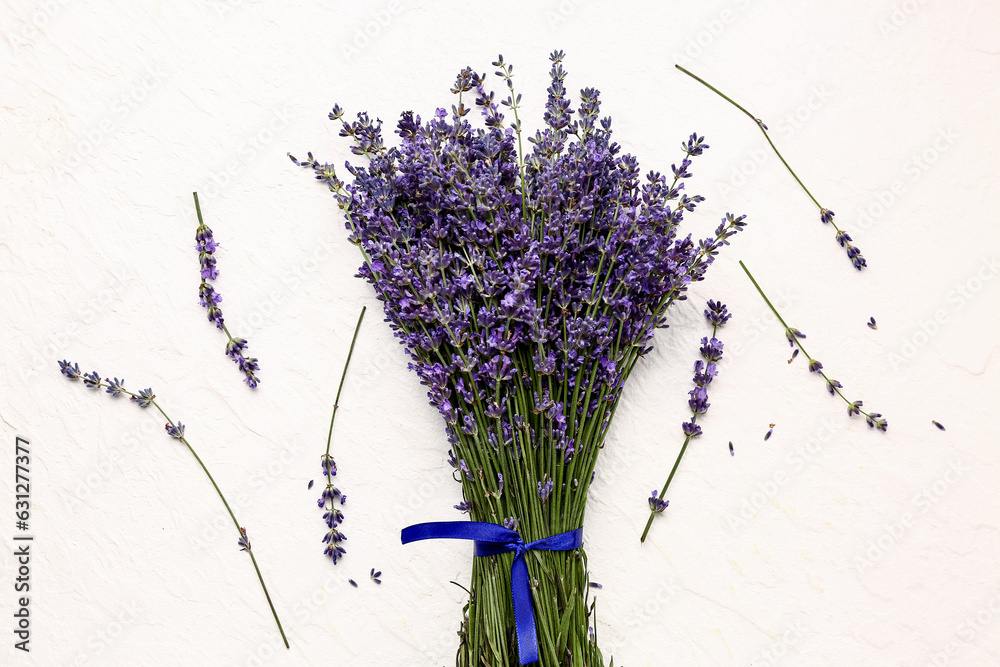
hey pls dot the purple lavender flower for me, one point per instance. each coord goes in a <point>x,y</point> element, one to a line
<point>374,576</point>
<point>115,386</point>
<point>791,334</point>
<point>691,429</point>
<point>875,420</point>
<point>872,324</point>
<point>545,490</point>
<point>510,523</point>
<point>72,371</point>
<point>711,350</point>
<point>732,452</point>
<point>144,398</point>
<point>175,430</point>
<point>92,380</point>
<point>657,504</point>
<point>716,313</point>
<point>464,506</point>
<point>815,366</point>
<point>243,542</point>
<point>938,424</point>
<point>210,299</point>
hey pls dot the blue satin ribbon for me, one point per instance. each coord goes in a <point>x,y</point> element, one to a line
<point>491,540</point>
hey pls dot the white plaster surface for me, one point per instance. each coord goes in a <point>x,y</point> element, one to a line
<point>829,544</point>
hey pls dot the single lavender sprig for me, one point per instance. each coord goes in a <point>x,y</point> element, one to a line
<point>794,338</point>
<point>825,214</point>
<point>331,494</point>
<point>209,298</point>
<point>705,370</point>
<point>144,398</point>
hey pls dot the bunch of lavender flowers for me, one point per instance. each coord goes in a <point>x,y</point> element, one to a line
<point>525,287</point>
<point>705,370</point>
<point>210,299</point>
<point>331,495</point>
<point>145,398</point>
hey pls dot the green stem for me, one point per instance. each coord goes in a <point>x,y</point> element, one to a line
<point>663,492</point>
<point>340,387</point>
<point>231,516</point>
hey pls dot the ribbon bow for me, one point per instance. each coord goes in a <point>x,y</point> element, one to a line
<point>491,540</point>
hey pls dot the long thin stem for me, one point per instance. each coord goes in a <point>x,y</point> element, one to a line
<point>663,492</point>
<point>231,516</point>
<point>763,128</point>
<point>793,336</point>
<point>336,401</point>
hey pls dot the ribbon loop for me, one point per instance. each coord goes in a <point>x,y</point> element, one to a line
<point>491,540</point>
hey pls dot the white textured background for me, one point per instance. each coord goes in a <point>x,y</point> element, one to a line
<point>827,545</point>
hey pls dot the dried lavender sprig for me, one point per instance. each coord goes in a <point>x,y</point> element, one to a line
<point>144,398</point>
<point>825,214</point>
<point>331,514</point>
<point>794,336</point>
<point>711,352</point>
<point>210,299</point>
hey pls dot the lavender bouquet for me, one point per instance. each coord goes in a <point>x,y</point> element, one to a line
<point>525,286</point>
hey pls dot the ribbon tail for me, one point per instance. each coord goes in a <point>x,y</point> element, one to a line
<point>524,614</point>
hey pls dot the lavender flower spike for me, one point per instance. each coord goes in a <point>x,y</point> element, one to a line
<point>145,398</point>
<point>210,299</point>
<point>825,214</point>
<point>328,498</point>
<point>705,370</point>
<point>794,337</point>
